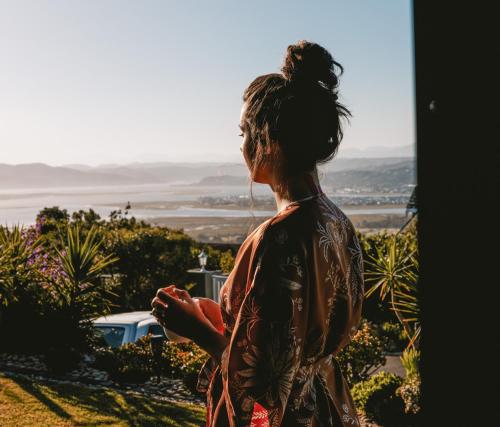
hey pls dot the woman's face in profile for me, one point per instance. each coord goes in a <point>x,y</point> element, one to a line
<point>262,172</point>
<point>245,134</point>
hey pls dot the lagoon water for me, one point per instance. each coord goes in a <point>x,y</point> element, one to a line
<point>20,206</point>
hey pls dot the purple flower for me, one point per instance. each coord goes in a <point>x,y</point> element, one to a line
<point>39,224</point>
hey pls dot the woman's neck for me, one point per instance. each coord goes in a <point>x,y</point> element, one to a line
<point>301,187</point>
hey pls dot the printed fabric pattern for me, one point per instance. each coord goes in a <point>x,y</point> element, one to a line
<point>292,301</point>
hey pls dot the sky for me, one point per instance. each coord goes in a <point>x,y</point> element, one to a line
<point>105,81</point>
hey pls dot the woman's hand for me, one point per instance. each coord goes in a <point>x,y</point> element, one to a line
<point>177,311</point>
<point>199,321</point>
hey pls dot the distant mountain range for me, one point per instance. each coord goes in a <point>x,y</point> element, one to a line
<point>341,172</point>
<point>41,175</point>
<point>399,177</point>
<point>378,176</point>
<point>377,151</point>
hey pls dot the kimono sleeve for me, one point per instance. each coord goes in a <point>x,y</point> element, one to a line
<point>264,353</point>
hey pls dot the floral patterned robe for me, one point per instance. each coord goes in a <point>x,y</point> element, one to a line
<point>292,301</point>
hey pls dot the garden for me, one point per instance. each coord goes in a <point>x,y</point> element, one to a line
<point>65,270</point>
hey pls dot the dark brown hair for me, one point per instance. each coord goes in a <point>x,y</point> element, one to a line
<point>296,113</point>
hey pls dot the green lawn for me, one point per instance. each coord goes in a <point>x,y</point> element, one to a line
<point>24,402</point>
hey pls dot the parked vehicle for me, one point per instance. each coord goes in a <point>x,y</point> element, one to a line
<point>122,328</point>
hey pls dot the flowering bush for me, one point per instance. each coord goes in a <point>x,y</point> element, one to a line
<point>410,390</point>
<point>24,289</point>
<point>410,393</point>
<point>363,355</point>
<point>19,265</point>
<point>52,291</point>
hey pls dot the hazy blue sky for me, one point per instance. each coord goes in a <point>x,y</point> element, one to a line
<point>101,81</point>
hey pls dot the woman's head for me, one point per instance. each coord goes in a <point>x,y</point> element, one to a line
<point>292,121</point>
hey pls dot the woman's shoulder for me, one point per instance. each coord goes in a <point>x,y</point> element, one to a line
<point>281,219</point>
<point>294,225</point>
<point>309,223</point>
<point>288,227</point>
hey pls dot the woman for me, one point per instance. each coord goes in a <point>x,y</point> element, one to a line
<point>294,297</point>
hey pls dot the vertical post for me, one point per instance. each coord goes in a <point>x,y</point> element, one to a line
<point>204,286</point>
<point>457,174</point>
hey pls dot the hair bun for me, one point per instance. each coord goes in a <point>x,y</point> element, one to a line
<point>308,62</point>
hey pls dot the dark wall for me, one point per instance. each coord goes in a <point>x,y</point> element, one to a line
<point>457,174</point>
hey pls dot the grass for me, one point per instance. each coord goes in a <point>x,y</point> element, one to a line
<point>24,402</point>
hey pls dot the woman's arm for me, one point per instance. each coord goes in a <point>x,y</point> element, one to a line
<point>211,340</point>
<point>267,342</point>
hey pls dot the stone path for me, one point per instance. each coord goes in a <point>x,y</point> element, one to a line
<point>32,367</point>
<point>392,365</point>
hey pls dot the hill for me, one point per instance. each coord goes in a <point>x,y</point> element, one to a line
<point>375,173</point>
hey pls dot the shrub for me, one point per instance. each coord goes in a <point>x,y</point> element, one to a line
<point>21,291</point>
<point>410,393</point>
<point>129,363</point>
<point>149,258</point>
<point>378,400</point>
<point>106,359</point>
<point>185,361</point>
<point>227,261</point>
<point>395,337</point>
<point>17,267</point>
<point>363,355</point>
<point>52,293</point>
<point>410,390</point>
<point>133,362</point>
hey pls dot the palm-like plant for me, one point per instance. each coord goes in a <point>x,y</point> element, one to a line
<point>5,268</point>
<point>81,289</point>
<point>410,360</point>
<point>394,272</point>
<point>406,303</point>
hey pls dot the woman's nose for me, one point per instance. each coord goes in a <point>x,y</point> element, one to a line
<point>241,148</point>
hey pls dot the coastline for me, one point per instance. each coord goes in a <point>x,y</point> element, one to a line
<point>210,229</point>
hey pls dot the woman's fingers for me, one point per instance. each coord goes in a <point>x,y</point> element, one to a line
<point>168,289</point>
<point>158,303</point>
<point>166,297</point>
<point>156,313</point>
<point>184,295</point>
<point>160,310</point>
